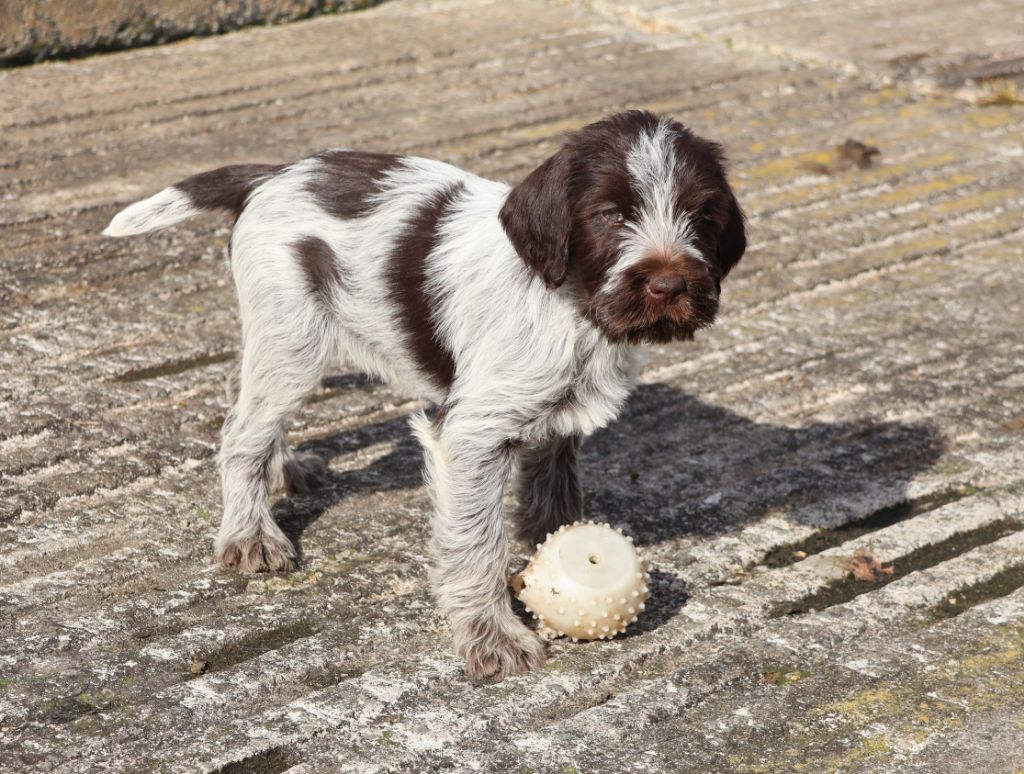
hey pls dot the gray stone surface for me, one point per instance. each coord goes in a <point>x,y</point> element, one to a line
<point>37,30</point>
<point>885,40</point>
<point>862,390</point>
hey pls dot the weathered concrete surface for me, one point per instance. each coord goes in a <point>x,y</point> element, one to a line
<point>862,390</point>
<point>908,39</point>
<point>36,30</point>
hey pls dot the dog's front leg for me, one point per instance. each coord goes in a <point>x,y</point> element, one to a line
<point>548,486</point>
<point>467,466</point>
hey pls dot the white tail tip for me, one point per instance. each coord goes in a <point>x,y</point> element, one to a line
<point>161,210</point>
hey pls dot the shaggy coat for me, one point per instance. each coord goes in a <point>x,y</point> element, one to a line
<point>517,311</point>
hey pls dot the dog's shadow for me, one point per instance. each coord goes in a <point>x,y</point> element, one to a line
<point>673,465</point>
<point>397,468</point>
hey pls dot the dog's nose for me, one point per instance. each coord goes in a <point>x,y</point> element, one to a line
<point>666,287</point>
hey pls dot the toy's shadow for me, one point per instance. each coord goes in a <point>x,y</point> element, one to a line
<point>673,466</point>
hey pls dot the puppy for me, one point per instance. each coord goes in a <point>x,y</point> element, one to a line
<point>517,311</point>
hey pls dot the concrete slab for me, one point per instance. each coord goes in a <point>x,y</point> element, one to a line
<point>37,30</point>
<point>861,391</point>
<point>904,40</point>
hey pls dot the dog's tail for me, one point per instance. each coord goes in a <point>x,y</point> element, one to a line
<point>226,188</point>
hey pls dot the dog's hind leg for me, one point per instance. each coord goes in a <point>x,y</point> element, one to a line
<point>290,471</point>
<point>548,486</point>
<point>295,472</point>
<point>282,361</point>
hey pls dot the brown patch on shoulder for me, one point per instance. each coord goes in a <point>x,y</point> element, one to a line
<point>347,180</point>
<point>320,267</point>
<point>407,277</point>
<point>226,188</point>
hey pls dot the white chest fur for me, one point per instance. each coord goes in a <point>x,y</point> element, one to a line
<point>602,377</point>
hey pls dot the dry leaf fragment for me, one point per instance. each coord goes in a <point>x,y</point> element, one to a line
<point>852,153</point>
<point>866,567</point>
<point>198,666</point>
<point>857,154</point>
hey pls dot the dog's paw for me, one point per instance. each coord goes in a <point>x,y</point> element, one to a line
<point>303,472</point>
<point>496,651</point>
<point>263,553</point>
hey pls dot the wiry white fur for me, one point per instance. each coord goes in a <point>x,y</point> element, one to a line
<point>658,228</point>
<point>161,210</point>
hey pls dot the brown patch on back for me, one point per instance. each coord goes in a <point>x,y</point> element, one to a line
<point>320,267</point>
<point>347,180</point>
<point>226,188</point>
<point>406,275</point>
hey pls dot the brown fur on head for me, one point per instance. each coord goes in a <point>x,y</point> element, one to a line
<point>636,213</point>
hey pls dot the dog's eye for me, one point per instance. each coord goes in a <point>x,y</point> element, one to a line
<point>611,217</point>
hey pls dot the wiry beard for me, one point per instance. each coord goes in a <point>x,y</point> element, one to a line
<point>629,314</point>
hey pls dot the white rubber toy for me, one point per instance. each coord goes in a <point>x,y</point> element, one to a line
<point>586,581</point>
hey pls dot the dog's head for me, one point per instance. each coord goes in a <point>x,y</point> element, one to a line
<point>635,211</point>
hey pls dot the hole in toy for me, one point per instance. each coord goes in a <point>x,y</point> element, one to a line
<point>594,559</point>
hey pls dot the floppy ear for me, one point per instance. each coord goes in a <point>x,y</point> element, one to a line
<point>537,218</point>
<point>733,241</point>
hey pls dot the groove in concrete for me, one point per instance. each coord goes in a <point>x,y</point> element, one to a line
<point>785,555</point>
<point>175,367</point>
<point>839,592</point>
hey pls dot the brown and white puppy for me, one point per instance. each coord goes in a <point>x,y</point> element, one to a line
<point>517,311</point>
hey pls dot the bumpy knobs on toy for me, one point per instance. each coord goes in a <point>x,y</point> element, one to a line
<point>585,582</point>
